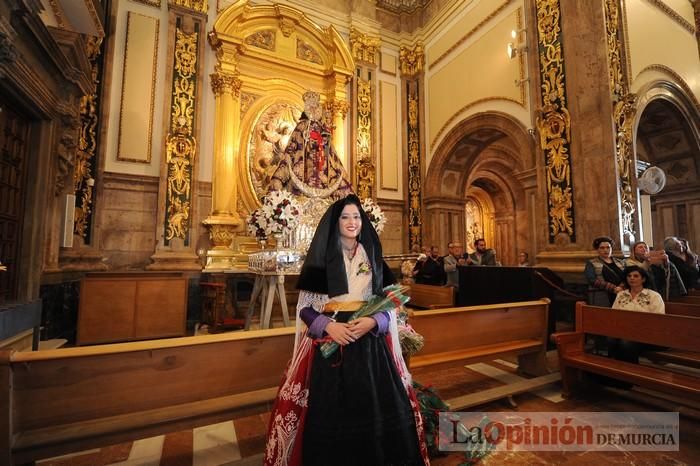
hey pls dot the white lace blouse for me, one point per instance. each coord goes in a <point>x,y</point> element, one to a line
<point>646,301</point>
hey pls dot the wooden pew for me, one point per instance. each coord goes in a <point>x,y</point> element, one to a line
<point>693,292</point>
<point>690,299</point>
<point>683,309</point>
<point>61,401</point>
<point>481,333</point>
<point>431,296</point>
<point>673,331</point>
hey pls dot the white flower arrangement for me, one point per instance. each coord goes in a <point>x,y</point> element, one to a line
<point>375,214</point>
<point>279,214</point>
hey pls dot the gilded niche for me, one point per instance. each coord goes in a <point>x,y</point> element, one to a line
<point>268,140</point>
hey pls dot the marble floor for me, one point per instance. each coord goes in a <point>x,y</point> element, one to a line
<point>242,441</point>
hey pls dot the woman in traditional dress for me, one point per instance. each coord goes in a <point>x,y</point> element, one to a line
<point>356,407</point>
<point>604,273</point>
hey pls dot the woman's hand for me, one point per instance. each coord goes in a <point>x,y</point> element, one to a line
<point>340,333</point>
<point>618,289</point>
<point>361,326</point>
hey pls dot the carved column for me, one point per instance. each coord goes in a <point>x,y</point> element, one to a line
<point>364,50</point>
<point>224,221</point>
<point>411,62</point>
<point>175,249</point>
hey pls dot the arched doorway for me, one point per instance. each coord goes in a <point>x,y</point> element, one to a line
<point>667,137</point>
<point>481,182</point>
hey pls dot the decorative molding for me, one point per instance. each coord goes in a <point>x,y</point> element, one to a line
<point>154,73</point>
<point>364,156</point>
<point>199,6</point>
<point>86,156</point>
<point>471,32</point>
<point>155,3</point>
<point>671,13</point>
<point>624,111</point>
<point>8,51</point>
<point>262,39</point>
<point>415,216</point>
<point>308,53</point>
<point>58,13</point>
<point>287,26</point>
<point>554,123</point>
<point>96,21</point>
<point>226,83</point>
<point>247,100</point>
<point>457,114</point>
<point>412,60</point>
<point>364,47</point>
<point>677,79</point>
<point>181,145</point>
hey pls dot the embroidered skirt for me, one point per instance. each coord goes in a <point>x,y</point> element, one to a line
<point>358,410</point>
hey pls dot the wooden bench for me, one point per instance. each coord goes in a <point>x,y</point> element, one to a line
<point>690,299</point>
<point>673,331</point>
<point>683,309</point>
<point>482,333</point>
<point>431,296</point>
<point>62,401</point>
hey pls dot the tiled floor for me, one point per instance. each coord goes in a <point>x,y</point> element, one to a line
<point>241,442</point>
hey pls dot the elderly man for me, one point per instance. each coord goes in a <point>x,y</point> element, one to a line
<point>663,275</point>
<point>452,260</point>
<point>431,270</point>
<point>481,255</point>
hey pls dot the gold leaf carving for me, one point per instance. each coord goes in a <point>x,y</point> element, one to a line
<point>365,165</point>
<point>308,53</point>
<point>364,47</point>
<point>412,60</point>
<point>415,219</point>
<point>262,39</point>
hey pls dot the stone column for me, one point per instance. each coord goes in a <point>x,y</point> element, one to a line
<point>224,220</point>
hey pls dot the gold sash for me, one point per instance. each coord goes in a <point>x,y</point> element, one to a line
<point>343,306</point>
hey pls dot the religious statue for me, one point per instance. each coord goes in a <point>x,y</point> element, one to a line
<point>310,166</point>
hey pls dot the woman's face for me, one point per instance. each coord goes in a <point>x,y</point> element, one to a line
<point>635,279</point>
<point>350,222</point>
<point>604,249</point>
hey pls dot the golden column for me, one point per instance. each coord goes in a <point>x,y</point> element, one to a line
<point>224,220</point>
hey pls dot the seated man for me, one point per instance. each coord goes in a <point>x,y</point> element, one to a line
<point>452,260</point>
<point>430,271</point>
<point>481,256</point>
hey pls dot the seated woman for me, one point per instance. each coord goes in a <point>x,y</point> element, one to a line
<point>635,297</point>
<point>604,273</point>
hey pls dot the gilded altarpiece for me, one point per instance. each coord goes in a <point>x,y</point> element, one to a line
<point>411,61</point>
<point>554,123</point>
<point>624,106</point>
<point>268,56</point>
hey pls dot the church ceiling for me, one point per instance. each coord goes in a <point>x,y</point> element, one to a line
<point>472,145</point>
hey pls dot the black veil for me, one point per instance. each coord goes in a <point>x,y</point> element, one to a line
<point>324,268</point>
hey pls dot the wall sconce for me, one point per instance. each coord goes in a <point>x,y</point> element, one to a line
<point>516,47</point>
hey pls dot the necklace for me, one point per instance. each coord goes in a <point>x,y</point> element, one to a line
<point>350,252</point>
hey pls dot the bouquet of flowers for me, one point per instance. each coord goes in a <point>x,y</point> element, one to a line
<point>375,214</point>
<point>257,224</point>
<point>279,213</point>
<point>394,296</point>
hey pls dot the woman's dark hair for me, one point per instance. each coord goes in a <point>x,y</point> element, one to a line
<point>603,239</point>
<point>635,268</point>
<point>324,267</point>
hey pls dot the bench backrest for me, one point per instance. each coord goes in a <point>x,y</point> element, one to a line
<point>690,299</point>
<point>683,309</point>
<point>674,331</point>
<point>431,296</point>
<point>77,384</point>
<point>468,327</point>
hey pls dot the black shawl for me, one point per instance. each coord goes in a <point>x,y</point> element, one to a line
<point>324,268</point>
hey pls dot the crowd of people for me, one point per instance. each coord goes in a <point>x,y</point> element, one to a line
<point>642,282</point>
<point>430,268</point>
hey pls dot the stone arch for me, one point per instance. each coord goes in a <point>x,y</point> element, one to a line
<point>667,135</point>
<point>489,159</point>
